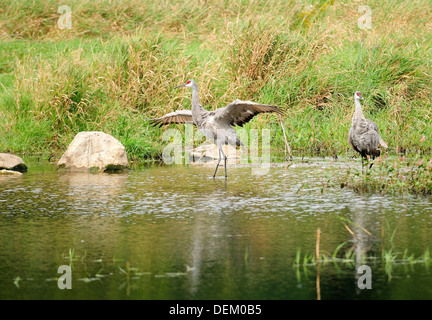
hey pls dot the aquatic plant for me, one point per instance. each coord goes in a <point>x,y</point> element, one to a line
<point>388,257</point>
<point>350,258</point>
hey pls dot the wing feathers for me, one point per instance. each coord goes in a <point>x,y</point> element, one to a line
<point>382,143</point>
<point>236,113</point>
<point>240,112</point>
<point>179,116</point>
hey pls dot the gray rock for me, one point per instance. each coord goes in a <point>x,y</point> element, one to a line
<point>94,150</point>
<point>12,162</point>
<point>208,153</point>
<point>10,172</point>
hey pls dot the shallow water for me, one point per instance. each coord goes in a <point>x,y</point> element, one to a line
<point>173,232</point>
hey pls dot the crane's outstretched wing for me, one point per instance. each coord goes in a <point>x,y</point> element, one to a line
<point>179,116</point>
<point>240,112</point>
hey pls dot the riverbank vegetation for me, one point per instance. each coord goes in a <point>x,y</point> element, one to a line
<point>118,64</point>
<point>396,176</point>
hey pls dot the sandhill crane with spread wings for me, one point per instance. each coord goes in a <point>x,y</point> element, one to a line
<point>216,125</point>
<point>364,136</point>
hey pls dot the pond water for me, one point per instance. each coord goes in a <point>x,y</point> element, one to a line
<point>173,232</point>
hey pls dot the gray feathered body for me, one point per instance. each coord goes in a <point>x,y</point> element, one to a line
<point>220,133</point>
<point>364,136</point>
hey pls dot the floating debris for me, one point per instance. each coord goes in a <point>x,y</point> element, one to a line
<point>16,281</point>
<point>170,275</point>
<point>87,280</point>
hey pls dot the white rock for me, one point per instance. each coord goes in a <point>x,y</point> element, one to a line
<point>94,149</point>
<point>11,162</point>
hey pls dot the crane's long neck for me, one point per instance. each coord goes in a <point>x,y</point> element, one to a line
<point>196,107</point>
<point>358,113</point>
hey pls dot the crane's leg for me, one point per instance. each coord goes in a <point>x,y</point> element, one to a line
<point>219,160</point>
<point>368,167</point>
<point>225,160</point>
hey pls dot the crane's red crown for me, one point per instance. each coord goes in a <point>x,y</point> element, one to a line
<point>188,82</point>
<point>358,93</point>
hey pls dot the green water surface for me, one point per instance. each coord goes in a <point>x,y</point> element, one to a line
<point>173,232</point>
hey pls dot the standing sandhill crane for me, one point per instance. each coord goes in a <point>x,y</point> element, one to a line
<point>363,134</point>
<point>216,125</point>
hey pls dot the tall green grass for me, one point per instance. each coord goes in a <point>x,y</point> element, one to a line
<point>119,62</point>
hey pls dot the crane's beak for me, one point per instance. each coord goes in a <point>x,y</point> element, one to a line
<point>180,86</point>
<point>361,97</point>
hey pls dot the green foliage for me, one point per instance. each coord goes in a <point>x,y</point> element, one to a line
<point>394,176</point>
<point>119,62</point>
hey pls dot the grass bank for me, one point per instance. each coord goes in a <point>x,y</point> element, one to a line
<point>118,63</point>
<point>396,176</point>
